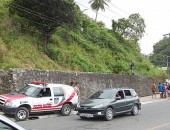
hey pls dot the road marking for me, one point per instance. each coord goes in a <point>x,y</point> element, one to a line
<point>159,126</point>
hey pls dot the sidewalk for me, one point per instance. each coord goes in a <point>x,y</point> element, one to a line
<point>149,99</point>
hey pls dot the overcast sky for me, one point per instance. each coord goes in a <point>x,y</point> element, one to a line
<point>156,14</point>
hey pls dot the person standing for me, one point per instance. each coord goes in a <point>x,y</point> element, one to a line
<point>76,88</point>
<point>153,88</point>
<point>160,88</point>
<point>132,67</point>
<point>165,90</point>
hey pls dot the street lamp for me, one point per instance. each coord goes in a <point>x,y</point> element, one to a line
<point>166,55</point>
<point>167,63</point>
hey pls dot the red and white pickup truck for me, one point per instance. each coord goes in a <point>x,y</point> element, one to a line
<point>39,97</point>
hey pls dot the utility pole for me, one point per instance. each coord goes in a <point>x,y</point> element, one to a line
<point>167,60</point>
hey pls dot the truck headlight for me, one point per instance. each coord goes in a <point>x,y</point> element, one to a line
<point>98,106</point>
<point>9,104</point>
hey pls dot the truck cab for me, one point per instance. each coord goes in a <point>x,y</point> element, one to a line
<point>39,97</point>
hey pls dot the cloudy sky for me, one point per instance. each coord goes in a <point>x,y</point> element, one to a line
<point>156,14</point>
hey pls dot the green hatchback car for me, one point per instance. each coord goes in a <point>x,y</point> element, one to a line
<point>109,102</point>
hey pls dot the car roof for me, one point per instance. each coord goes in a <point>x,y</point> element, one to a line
<point>10,122</point>
<point>117,89</point>
<point>50,85</point>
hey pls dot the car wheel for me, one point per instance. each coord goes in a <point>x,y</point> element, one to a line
<point>135,110</point>
<point>21,114</point>
<point>66,110</point>
<point>109,114</point>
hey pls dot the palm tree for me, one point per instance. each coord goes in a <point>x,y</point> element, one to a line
<point>98,4</point>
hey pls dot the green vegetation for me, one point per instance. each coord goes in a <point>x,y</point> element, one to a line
<point>96,49</point>
<point>161,53</point>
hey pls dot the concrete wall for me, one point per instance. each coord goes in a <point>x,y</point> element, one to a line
<point>89,82</point>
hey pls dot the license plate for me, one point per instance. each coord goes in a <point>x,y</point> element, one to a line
<point>86,115</point>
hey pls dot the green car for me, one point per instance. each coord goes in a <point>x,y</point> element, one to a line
<point>108,103</point>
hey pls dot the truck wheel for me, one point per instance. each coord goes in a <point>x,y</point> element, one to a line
<point>66,110</point>
<point>21,114</point>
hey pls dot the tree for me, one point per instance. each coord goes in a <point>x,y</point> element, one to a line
<point>98,4</point>
<point>45,15</point>
<point>132,28</point>
<point>161,50</point>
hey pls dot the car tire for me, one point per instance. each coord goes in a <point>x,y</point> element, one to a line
<point>21,114</point>
<point>66,110</point>
<point>109,114</point>
<point>135,110</point>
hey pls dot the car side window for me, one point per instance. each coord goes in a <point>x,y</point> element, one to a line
<point>45,92</point>
<point>4,126</point>
<point>121,94</point>
<point>58,91</point>
<point>127,93</point>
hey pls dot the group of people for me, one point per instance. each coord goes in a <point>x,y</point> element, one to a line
<point>164,89</point>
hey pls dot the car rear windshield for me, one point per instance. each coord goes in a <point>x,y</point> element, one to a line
<point>103,94</point>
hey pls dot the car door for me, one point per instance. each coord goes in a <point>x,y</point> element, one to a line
<point>129,100</point>
<point>120,104</point>
<point>43,102</point>
<point>58,97</point>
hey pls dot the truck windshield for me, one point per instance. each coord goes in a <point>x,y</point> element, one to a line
<point>30,91</point>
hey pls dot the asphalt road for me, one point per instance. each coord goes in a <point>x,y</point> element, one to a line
<point>153,116</point>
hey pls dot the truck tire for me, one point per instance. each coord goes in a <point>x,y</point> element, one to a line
<point>66,110</point>
<point>21,114</point>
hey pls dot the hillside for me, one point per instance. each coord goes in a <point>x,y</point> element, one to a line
<point>97,49</point>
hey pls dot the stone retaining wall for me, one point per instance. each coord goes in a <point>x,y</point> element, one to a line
<point>89,82</point>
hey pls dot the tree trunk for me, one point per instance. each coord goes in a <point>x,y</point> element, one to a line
<point>96,15</point>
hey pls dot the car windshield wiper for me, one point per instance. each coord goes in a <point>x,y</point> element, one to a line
<point>23,93</point>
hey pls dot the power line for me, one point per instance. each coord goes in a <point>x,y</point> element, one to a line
<point>40,15</point>
<point>119,8</point>
<point>32,12</point>
<point>114,12</point>
<point>92,10</point>
<point>8,14</point>
<point>29,11</point>
<point>18,27</point>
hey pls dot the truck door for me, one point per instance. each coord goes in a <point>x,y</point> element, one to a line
<point>58,97</point>
<point>44,101</point>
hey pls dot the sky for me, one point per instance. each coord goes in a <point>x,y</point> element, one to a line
<point>156,14</point>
